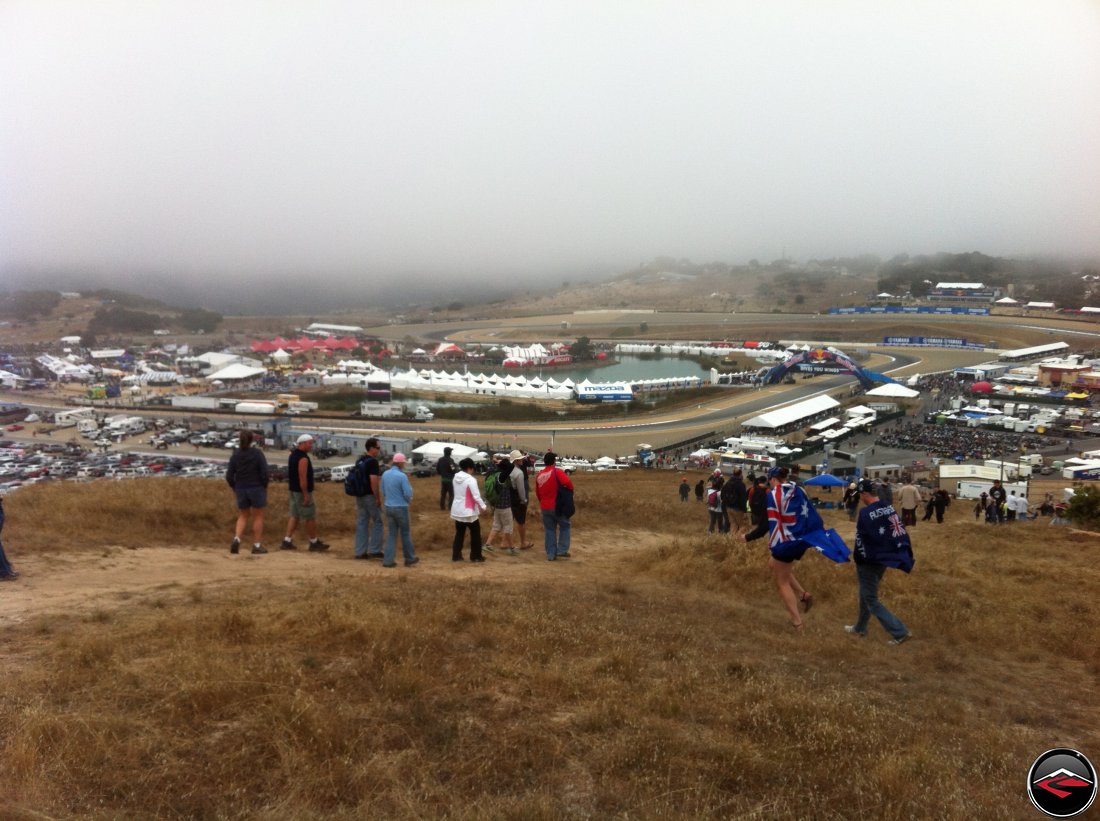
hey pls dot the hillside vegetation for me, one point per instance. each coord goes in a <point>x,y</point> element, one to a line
<point>652,676</point>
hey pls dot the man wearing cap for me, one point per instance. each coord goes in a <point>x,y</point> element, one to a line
<point>446,468</point>
<point>881,542</point>
<point>303,507</point>
<point>500,535</point>
<point>397,495</point>
<point>519,498</point>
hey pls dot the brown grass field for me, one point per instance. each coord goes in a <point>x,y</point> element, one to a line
<point>149,674</point>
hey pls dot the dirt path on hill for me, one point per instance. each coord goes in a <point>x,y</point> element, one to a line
<point>110,578</point>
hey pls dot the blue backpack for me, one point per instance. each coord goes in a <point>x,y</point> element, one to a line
<point>357,483</point>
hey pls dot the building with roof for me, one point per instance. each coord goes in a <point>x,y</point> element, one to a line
<point>793,416</point>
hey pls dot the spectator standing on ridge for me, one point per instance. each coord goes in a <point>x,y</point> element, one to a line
<point>499,492</point>
<point>1011,507</point>
<point>685,489</point>
<point>881,542</point>
<point>247,475</point>
<point>909,497</point>
<point>368,521</point>
<point>303,504</point>
<point>446,468</point>
<point>980,505</point>
<point>397,495</point>
<point>7,572</point>
<point>555,522</point>
<point>700,486</point>
<point>714,510</point>
<point>465,510</point>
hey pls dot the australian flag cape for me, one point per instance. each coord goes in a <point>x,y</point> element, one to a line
<point>792,518</point>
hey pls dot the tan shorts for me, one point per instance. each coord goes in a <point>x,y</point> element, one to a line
<point>300,510</point>
<point>502,519</point>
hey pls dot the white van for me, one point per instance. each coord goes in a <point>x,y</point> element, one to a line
<point>340,472</point>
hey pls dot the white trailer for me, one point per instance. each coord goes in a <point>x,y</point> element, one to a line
<point>195,402</point>
<point>381,410</point>
<point>300,407</point>
<point>255,407</point>
<point>69,418</point>
<point>88,428</point>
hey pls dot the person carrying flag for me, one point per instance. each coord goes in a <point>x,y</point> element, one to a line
<point>793,527</point>
<point>881,542</point>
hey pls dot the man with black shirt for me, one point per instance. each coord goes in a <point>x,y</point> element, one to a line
<point>303,505</point>
<point>734,497</point>
<point>368,525</point>
<point>446,468</point>
<point>997,494</point>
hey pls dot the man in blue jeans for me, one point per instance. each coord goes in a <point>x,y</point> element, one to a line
<point>397,494</point>
<point>881,542</point>
<point>368,524</point>
<point>7,572</point>
<point>556,528</point>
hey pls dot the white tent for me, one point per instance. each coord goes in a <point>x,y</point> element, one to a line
<point>280,356</point>
<point>431,451</point>
<point>893,389</point>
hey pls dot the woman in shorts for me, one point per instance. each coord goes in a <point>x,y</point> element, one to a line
<point>247,475</point>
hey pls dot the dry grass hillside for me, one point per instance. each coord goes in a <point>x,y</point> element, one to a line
<point>149,674</point>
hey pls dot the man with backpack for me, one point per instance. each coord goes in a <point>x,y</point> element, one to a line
<point>362,482</point>
<point>499,493</point>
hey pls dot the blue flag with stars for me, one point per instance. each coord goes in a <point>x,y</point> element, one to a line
<point>792,518</point>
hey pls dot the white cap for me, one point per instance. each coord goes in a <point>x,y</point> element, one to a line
<point>305,437</point>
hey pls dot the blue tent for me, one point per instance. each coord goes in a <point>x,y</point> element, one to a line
<point>826,480</point>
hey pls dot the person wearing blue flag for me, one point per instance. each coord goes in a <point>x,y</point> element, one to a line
<point>881,542</point>
<point>793,527</point>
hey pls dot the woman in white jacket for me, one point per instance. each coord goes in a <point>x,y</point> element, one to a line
<point>465,509</point>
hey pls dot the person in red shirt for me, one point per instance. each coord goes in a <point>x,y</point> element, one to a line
<point>555,524</point>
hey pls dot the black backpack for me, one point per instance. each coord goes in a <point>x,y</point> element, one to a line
<point>357,483</point>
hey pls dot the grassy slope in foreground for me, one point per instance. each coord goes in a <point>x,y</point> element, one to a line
<point>654,676</point>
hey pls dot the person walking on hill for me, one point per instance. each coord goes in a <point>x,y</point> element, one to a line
<point>446,468</point>
<point>685,489</point>
<point>303,504</point>
<point>734,499</point>
<point>700,486</point>
<point>466,510</point>
<point>247,475</point>
<point>851,501</point>
<point>793,526</point>
<point>397,495</point>
<point>7,572</point>
<point>714,510</point>
<point>980,505</point>
<point>758,502</point>
<point>940,500</point>
<point>910,499</point>
<point>998,495</point>
<point>368,521</point>
<point>555,519</point>
<point>716,483</point>
<point>881,542</point>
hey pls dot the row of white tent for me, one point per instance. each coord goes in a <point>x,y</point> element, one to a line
<point>476,383</point>
<point>698,349</point>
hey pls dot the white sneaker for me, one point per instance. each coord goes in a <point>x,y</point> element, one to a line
<point>851,628</point>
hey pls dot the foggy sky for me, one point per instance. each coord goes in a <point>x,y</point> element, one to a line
<point>411,140</point>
